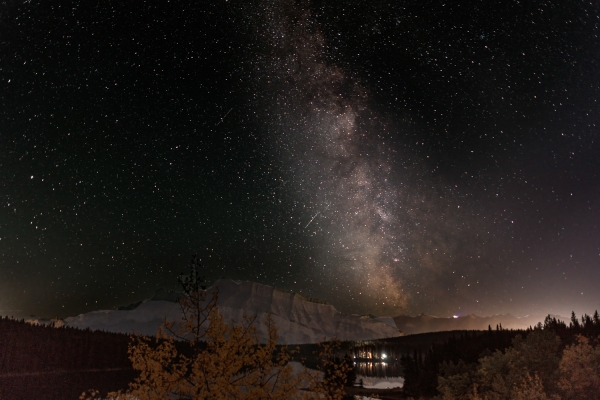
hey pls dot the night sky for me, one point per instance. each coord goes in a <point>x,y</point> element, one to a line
<point>389,157</point>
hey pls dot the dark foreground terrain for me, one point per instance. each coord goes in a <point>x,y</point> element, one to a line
<point>46,363</point>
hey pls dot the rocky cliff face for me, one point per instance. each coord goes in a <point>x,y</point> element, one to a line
<point>298,319</point>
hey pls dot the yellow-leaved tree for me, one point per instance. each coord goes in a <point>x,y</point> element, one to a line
<point>527,370</point>
<point>221,360</point>
<point>580,370</point>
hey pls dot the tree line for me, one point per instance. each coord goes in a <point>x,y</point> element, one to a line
<point>552,360</point>
<point>47,363</point>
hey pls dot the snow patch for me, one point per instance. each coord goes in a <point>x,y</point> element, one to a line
<point>380,383</point>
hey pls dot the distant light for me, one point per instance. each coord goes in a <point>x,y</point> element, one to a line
<point>455,316</point>
<point>383,356</point>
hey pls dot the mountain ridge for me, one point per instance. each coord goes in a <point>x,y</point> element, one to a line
<point>297,319</point>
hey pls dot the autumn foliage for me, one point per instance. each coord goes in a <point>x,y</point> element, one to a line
<point>549,362</point>
<point>580,370</point>
<point>223,360</point>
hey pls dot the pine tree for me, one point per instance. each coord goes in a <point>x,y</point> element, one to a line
<point>574,321</point>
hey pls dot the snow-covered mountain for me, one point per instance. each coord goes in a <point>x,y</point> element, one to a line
<point>298,319</point>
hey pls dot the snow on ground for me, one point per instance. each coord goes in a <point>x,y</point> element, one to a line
<point>370,382</point>
<point>378,383</point>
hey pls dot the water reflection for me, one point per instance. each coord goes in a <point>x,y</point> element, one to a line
<point>379,369</point>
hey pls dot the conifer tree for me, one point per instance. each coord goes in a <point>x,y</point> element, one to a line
<point>574,321</point>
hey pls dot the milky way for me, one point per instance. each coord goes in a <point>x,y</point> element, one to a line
<point>378,226</point>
